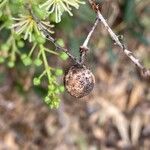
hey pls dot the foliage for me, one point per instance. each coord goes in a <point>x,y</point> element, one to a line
<point>22,30</point>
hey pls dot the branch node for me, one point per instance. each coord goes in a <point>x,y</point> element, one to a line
<point>83,48</point>
<point>145,73</point>
<point>117,40</point>
<point>83,51</point>
<point>95,6</point>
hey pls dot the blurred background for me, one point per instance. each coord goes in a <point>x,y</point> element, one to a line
<point>116,115</point>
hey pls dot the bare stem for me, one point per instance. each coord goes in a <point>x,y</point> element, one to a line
<point>128,53</point>
<point>85,44</point>
<point>117,41</point>
<point>84,47</point>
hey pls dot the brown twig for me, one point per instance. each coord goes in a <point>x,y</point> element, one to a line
<point>128,53</point>
<point>50,38</point>
<point>84,47</point>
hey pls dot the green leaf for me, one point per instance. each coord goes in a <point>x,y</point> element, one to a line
<point>5,47</point>
<point>61,88</point>
<point>11,64</point>
<point>63,56</point>
<point>38,62</point>
<point>1,60</point>
<point>20,44</point>
<point>47,100</point>
<point>60,42</point>
<point>57,90</point>
<point>41,13</point>
<point>59,72</point>
<point>36,81</point>
<point>40,39</point>
<point>26,60</point>
<point>51,87</point>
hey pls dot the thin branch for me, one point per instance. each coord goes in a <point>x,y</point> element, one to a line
<point>117,41</point>
<point>84,47</point>
<point>128,53</point>
<point>51,39</point>
<point>85,44</point>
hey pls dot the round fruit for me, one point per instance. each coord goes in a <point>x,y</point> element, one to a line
<point>79,81</point>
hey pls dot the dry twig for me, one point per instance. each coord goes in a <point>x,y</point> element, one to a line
<point>51,39</point>
<point>84,48</point>
<point>96,7</point>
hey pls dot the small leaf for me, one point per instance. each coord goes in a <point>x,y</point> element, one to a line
<point>38,62</point>
<point>26,60</point>
<point>63,56</point>
<point>36,81</point>
<point>51,87</point>
<point>57,91</point>
<point>60,42</point>
<point>59,72</point>
<point>1,60</point>
<point>47,100</point>
<point>40,39</point>
<point>41,13</point>
<point>11,64</point>
<point>5,47</point>
<point>20,44</point>
<point>61,88</point>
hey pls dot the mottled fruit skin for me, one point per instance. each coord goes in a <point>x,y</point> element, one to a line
<point>79,81</point>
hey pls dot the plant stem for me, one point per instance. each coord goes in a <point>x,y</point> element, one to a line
<point>43,73</point>
<point>50,38</point>
<point>128,53</point>
<point>47,68</point>
<point>3,3</point>
<point>51,51</point>
<point>84,47</point>
<point>33,47</point>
